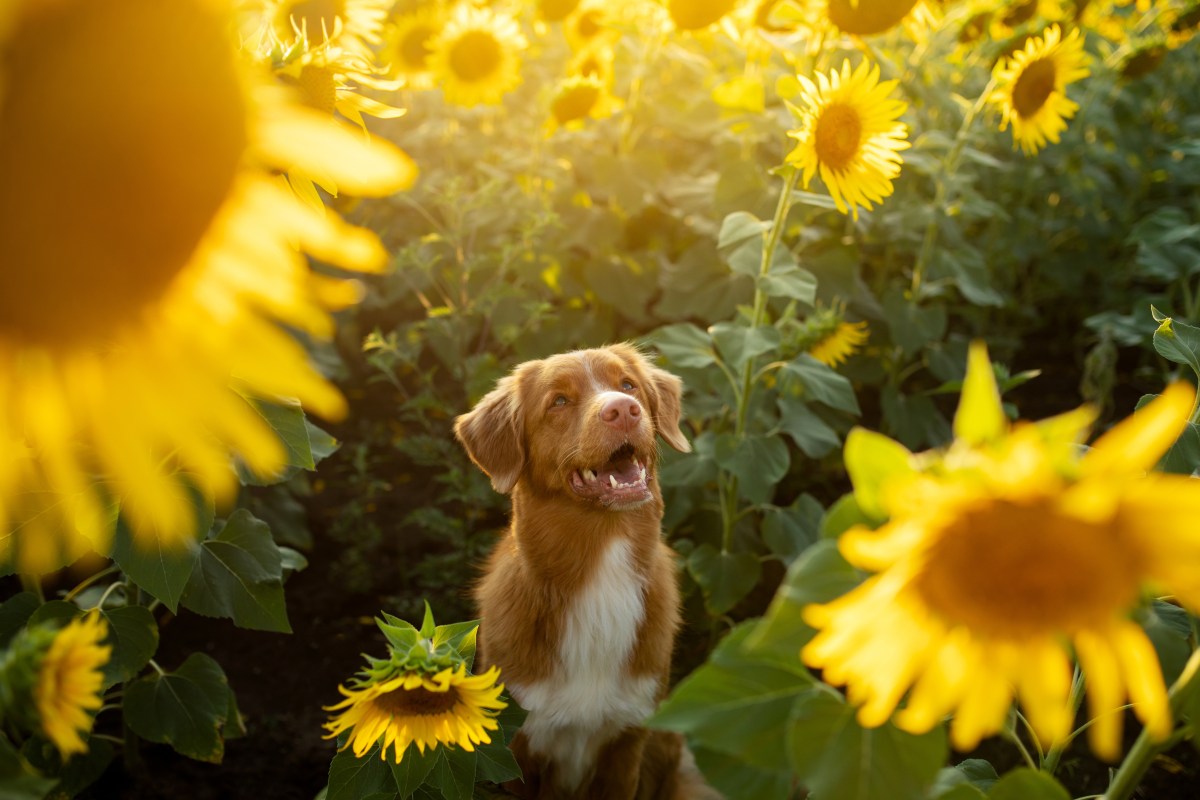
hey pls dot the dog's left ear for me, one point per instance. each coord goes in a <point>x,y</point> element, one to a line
<point>667,407</point>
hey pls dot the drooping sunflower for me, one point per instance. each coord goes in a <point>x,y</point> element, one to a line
<point>694,15</point>
<point>867,17</point>
<point>69,682</point>
<point>352,24</point>
<point>843,342</point>
<point>580,97</point>
<point>849,133</point>
<point>1031,88</point>
<point>132,346</point>
<point>1070,543</point>
<point>449,707</point>
<point>477,57</point>
<point>407,44</point>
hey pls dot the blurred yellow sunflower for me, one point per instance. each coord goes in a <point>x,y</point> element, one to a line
<point>353,24</point>
<point>594,62</point>
<point>446,708</point>
<point>69,682</point>
<point>129,349</point>
<point>694,15</point>
<point>867,17</point>
<point>556,10</point>
<point>1069,544</point>
<point>476,58</point>
<point>1182,25</point>
<point>843,342</point>
<point>407,44</point>
<point>580,97</point>
<point>588,26</point>
<point>849,133</point>
<point>1031,88</point>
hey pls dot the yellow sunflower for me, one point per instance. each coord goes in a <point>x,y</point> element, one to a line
<point>867,17</point>
<point>589,26</point>
<point>556,10</point>
<point>580,97</point>
<point>843,342</point>
<point>407,44</point>
<point>694,15</point>
<point>151,255</point>
<point>69,683</point>
<point>353,24</point>
<point>1031,88</point>
<point>449,707</point>
<point>849,133</point>
<point>476,58</point>
<point>1003,554</point>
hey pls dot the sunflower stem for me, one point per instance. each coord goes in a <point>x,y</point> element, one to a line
<point>942,192</point>
<point>1054,755</point>
<point>1129,775</point>
<point>88,581</point>
<point>757,318</point>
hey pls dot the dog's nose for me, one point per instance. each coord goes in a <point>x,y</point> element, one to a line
<point>621,411</point>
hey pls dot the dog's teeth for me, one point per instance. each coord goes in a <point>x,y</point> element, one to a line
<point>589,476</point>
<point>642,472</point>
<point>613,480</point>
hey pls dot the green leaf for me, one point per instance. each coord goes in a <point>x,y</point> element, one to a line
<point>133,634</point>
<point>913,327</point>
<point>496,763</point>
<point>759,462</point>
<point>1177,341</point>
<point>17,782</point>
<point>322,444</point>
<point>737,780</point>
<point>725,577</point>
<point>286,419</point>
<point>160,567</point>
<point>693,469</point>
<point>186,708</point>
<point>818,576</point>
<point>811,434</point>
<point>1170,629</point>
<point>1027,784</point>
<point>353,778</point>
<point>823,384</point>
<point>872,460</point>
<point>413,769</point>
<point>970,780</point>
<point>791,282</point>
<point>738,703</point>
<point>428,626</point>
<point>738,344</point>
<point>836,757</point>
<point>685,346</point>
<point>58,612</point>
<point>913,420</point>
<point>15,613</point>
<point>740,228</point>
<point>454,773</point>
<point>240,577</point>
<point>1183,457</point>
<point>461,636</point>
<point>843,515</point>
<point>790,531</point>
<point>81,770</point>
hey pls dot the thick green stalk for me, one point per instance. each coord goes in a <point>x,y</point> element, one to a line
<point>1141,755</point>
<point>757,318</point>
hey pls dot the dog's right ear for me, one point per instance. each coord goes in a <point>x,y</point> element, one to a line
<point>491,433</point>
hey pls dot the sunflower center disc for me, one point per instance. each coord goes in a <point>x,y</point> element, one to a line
<point>868,17</point>
<point>414,47</point>
<point>419,702</point>
<point>1033,87</point>
<point>838,136</point>
<point>1013,571</point>
<point>121,131</point>
<point>475,56</point>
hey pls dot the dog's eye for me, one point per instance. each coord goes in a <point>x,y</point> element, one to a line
<point>559,400</point>
<point>627,386</point>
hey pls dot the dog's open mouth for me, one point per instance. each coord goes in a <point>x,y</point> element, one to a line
<point>620,481</point>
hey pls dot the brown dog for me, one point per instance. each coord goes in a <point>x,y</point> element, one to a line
<point>579,604</point>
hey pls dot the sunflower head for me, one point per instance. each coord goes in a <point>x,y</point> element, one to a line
<point>1070,542</point>
<point>850,134</point>
<point>476,58</point>
<point>694,15</point>
<point>1031,87</point>
<point>52,680</point>
<point>867,17</point>
<point>580,97</point>
<point>589,25</point>
<point>354,24</point>
<point>829,338</point>
<point>556,10</point>
<point>408,43</point>
<point>421,694</point>
<point>119,343</point>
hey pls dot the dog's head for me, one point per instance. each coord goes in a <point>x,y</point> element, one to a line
<point>581,423</point>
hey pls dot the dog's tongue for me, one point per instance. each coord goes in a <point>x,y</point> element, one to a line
<point>624,470</point>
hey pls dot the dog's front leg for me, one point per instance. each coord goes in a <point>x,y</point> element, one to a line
<point>617,767</point>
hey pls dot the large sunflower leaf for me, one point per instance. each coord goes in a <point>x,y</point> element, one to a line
<point>186,708</point>
<point>353,778</point>
<point>239,576</point>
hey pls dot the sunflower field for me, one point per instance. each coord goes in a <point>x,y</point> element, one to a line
<point>929,271</point>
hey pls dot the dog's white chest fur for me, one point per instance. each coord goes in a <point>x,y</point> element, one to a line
<point>590,697</point>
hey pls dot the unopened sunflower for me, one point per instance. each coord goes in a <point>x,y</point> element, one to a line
<point>133,347</point>
<point>1001,556</point>
<point>477,57</point>
<point>1032,85</point>
<point>448,707</point>
<point>850,134</point>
